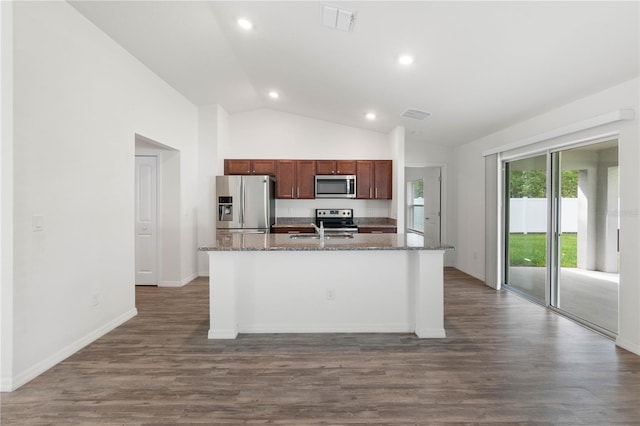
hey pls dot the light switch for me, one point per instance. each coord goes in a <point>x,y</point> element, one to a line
<point>345,19</point>
<point>37,223</point>
<point>329,16</point>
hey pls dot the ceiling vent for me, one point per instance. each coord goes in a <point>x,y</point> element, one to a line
<point>416,114</point>
<point>336,18</point>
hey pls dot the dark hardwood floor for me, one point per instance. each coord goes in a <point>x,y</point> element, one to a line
<point>505,360</point>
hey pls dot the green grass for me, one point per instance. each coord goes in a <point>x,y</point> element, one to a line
<point>531,250</point>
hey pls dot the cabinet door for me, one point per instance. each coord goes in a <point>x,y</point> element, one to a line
<point>264,167</point>
<point>364,179</point>
<point>237,167</point>
<point>377,230</point>
<point>383,187</point>
<point>285,178</point>
<point>345,167</point>
<point>325,167</point>
<point>305,176</point>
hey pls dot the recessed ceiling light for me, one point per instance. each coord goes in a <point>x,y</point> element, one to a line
<point>370,116</point>
<point>274,95</point>
<point>405,59</point>
<point>245,24</point>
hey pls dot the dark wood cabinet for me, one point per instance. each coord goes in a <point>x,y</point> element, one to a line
<point>363,229</point>
<point>364,179</point>
<point>383,182</point>
<point>237,167</point>
<point>306,179</point>
<point>264,167</point>
<point>250,167</point>
<point>336,167</point>
<point>374,179</point>
<point>295,179</point>
<point>293,230</point>
<point>285,178</point>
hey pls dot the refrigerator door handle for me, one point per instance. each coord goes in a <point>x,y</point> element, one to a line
<point>242,202</point>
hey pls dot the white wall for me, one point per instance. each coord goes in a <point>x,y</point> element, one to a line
<point>79,101</point>
<point>266,133</point>
<point>396,140</point>
<point>470,187</point>
<point>213,135</point>
<point>6,195</point>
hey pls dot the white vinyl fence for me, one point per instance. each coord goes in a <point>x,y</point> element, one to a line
<point>530,215</point>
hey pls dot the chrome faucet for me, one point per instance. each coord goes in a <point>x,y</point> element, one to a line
<point>319,230</point>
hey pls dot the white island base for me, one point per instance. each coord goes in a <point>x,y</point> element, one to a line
<point>321,291</point>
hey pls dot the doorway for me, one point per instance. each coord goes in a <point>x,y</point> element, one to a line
<point>167,213</point>
<point>424,204</point>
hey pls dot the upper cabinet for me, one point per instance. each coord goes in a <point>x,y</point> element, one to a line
<point>250,167</point>
<point>336,167</point>
<point>295,179</point>
<point>374,179</point>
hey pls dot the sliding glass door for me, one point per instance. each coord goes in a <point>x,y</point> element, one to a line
<point>561,232</point>
<point>526,226</point>
<point>586,199</point>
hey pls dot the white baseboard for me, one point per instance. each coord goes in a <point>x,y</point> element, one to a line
<point>630,346</point>
<point>222,334</point>
<point>42,366</point>
<point>431,333</point>
<point>170,284</point>
<point>181,283</point>
<point>6,384</point>
<point>324,328</point>
<point>190,278</point>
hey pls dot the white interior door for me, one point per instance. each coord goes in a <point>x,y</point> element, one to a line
<point>146,220</point>
<point>432,205</point>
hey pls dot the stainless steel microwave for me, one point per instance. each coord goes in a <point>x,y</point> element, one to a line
<point>335,186</point>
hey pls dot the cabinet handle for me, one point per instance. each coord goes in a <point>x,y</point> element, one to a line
<point>291,191</point>
<point>376,192</point>
<point>298,194</point>
<point>370,193</point>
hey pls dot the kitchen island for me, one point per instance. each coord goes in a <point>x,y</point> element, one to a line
<point>281,283</point>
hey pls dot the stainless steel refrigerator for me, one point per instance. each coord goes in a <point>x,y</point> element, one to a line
<point>245,203</point>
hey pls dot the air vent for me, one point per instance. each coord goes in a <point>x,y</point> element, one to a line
<point>416,114</point>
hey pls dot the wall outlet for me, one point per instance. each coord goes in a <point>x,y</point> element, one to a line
<point>95,299</point>
<point>331,294</point>
<point>37,223</point>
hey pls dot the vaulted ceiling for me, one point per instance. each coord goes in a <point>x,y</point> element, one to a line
<point>479,66</point>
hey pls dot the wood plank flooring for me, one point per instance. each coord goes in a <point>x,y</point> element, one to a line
<point>505,360</point>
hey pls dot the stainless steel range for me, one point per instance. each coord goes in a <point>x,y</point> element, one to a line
<point>336,220</point>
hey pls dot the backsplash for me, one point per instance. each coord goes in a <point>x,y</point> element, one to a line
<point>307,208</point>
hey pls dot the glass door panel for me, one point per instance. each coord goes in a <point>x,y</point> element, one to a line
<point>587,220</point>
<point>526,226</point>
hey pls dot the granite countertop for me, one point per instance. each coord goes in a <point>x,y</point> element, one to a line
<point>302,222</point>
<point>284,242</point>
